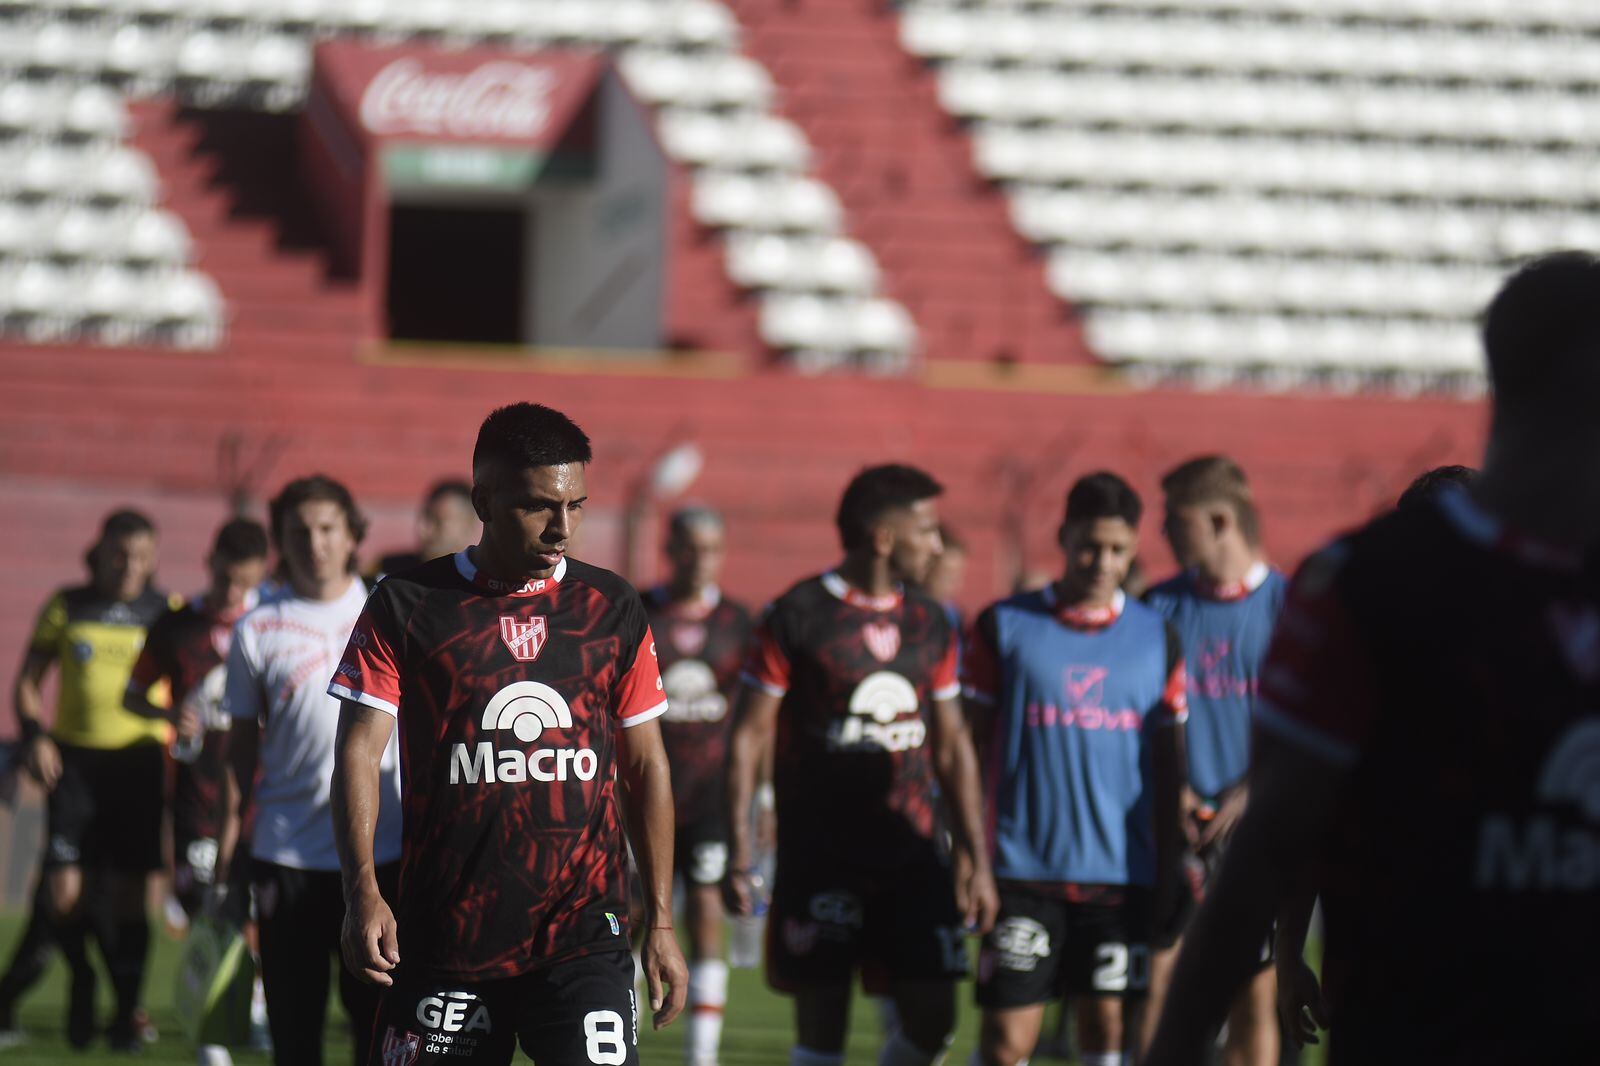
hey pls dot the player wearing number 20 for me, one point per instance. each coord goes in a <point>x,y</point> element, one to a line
<point>525,689</point>
<point>1077,696</point>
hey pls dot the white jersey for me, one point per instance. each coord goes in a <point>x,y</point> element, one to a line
<point>278,668</point>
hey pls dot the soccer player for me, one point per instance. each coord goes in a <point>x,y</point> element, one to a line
<point>854,677</point>
<point>280,760</point>
<point>104,771</point>
<point>1429,730</point>
<point>525,691</point>
<point>445,525</point>
<point>1301,1006</point>
<point>1223,606</point>
<point>702,638</point>
<point>1078,697</point>
<point>187,650</point>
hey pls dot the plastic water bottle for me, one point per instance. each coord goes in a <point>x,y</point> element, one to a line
<point>744,948</point>
<point>187,749</point>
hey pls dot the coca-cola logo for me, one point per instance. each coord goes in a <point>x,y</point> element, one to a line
<point>499,99</point>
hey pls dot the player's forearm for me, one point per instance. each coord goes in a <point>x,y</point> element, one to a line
<point>958,777</point>
<point>1221,949</point>
<point>27,699</point>
<point>650,822</point>
<point>238,782</point>
<point>744,759</point>
<point>1294,919</point>
<point>355,798</point>
<point>137,701</point>
<point>1171,780</point>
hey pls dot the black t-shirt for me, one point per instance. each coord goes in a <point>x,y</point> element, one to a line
<point>701,648</point>
<point>510,703</point>
<point>1454,668</point>
<point>858,677</point>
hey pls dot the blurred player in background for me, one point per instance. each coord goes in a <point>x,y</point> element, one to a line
<point>524,688</point>
<point>280,761</point>
<point>445,525</point>
<point>104,770</point>
<point>1223,606</point>
<point>948,575</point>
<point>186,652</point>
<point>1430,731</point>
<point>854,678</point>
<point>702,639</point>
<point>1078,696</point>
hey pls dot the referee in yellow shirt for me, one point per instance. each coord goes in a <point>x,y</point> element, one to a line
<point>103,767</point>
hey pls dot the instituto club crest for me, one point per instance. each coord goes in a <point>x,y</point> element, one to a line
<point>401,1048</point>
<point>883,640</point>
<point>523,637</point>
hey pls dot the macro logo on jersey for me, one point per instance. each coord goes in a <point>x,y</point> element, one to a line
<point>526,710</point>
<point>883,640</point>
<point>878,720</point>
<point>1020,943</point>
<point>524,638</point>
<point>1549,851</point>
<point>692,693</point>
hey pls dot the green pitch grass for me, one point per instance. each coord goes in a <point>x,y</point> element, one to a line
<point>756,1033</point>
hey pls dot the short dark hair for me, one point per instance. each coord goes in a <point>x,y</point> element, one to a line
<point>521,435</point>
<point>876,491</point>
<point>1214,479</point>
<point>240,539</point>
<point>124,522</point>
<point>1541,327</point>
<point>1432,482</point>
<point>450,486</point>
<point>686,518</point>
<point>1102,495</point>
<point>316,487</point>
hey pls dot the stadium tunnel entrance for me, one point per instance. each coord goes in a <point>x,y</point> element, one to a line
<point>484,196</point>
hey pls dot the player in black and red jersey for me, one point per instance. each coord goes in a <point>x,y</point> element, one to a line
<point>701,637</point>
<point>525,688</point>
<point>1430,731</point>
<point>187,648</point>
<point>854,679</point>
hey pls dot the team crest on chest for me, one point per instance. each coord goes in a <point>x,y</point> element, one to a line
<point>524,637</point>
<point>689,638</point>
<point>883,640</point>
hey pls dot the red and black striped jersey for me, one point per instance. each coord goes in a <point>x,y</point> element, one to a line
<point>858,676</point>
<point>510,703</point>
<point>701,646</point>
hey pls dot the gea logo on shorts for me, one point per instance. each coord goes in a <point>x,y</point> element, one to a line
<point>525,709</point>
<point>1546,852</point>
<point>878,721</point>
<point>1021,942</point>
<point>448,1012</point>
<point>692,693</point>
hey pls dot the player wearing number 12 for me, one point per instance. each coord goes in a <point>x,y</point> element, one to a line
<point>525,689</point>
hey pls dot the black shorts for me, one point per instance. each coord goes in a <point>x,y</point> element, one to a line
<point>1044,947</point>
<point>700,851</point>
<point>579,1011</point>
<point>106,810</point>
<point>826,921</point>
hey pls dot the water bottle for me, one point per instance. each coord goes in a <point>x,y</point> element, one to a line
<point>744,949</point>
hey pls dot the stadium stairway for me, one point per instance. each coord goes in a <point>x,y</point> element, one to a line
<point>903,171</point>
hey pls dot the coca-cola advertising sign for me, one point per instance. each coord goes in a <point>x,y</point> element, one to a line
<point>498,100</point>
<point>480,95</point>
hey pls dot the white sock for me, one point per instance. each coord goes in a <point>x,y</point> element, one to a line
<point>898,1051</point>
<point>1100,1058</point>
<point>804,1056</point>
<point>708,994</point>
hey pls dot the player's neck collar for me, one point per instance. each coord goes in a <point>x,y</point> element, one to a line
<point>700,606</point>
<point>202,604</point>
<point>1086,617</point>
<point>1492,533</point>
<point>847,592</point>
<point>494,586</point>
<point>1229,591</point>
